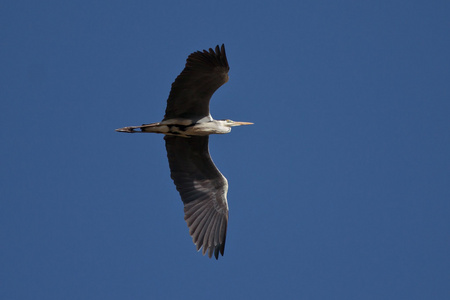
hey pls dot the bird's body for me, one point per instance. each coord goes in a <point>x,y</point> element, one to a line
<point>187,125</point>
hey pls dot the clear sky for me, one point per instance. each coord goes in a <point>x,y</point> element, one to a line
<point>341,189</point>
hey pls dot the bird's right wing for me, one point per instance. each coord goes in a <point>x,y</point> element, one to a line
<point>191,91</point>
<point>203,190</point>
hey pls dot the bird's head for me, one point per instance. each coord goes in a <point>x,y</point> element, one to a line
<point>231,123</point>
<point>223,126</point>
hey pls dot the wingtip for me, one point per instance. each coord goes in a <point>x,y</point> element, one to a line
<point>219,249</point>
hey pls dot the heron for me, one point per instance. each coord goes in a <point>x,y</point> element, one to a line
<point>187,125</point>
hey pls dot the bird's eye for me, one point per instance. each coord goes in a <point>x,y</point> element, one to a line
<point>229,121</point>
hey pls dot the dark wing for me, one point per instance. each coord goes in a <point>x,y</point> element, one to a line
<point>203,190</point>
<point>191,91</point>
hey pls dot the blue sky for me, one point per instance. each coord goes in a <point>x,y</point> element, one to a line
<point>341,189</point>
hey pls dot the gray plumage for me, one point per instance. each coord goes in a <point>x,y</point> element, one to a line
<point>203,190</point>
<point>187,125</point>
<point>204,73</point>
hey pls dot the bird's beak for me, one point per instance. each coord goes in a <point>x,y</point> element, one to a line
<point>242,123</point>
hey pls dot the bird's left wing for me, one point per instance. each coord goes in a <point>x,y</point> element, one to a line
<point>203,190</point>
<point>204,73</point>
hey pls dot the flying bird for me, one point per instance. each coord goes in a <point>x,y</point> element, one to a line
<point>187,125</point>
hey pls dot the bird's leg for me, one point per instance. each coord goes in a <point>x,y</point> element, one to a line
<point>132,129</point>
<point>129,129</point>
